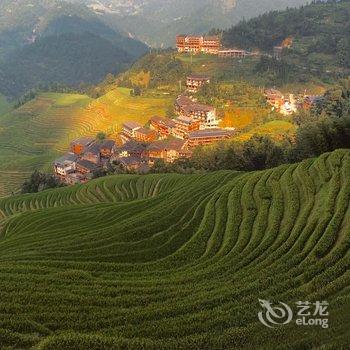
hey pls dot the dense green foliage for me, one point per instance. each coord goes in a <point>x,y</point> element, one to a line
<point>177,261</point>
<point>157,21</point>
<point>58,44</point>
<point>40,182</point>
<point>163,68</point>
<point>320,33</point>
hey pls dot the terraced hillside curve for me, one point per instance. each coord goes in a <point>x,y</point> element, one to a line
<point>178,261</point>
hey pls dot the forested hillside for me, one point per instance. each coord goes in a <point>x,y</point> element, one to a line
<point>158,21</point>
<point>319,34</point>
<point>49,42</point>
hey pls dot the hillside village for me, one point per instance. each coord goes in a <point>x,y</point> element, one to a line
<point>138,146</point>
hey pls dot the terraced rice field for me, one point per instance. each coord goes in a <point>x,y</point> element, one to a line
<point>32,136</point>
<point>178,261</point>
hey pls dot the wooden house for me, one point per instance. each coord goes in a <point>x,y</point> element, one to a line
<point>86,167</point>
<point>167,150</point>
<point>184,125</point>
<point>211,44</point>
<point>93,154</point>
<point>163,126</point>
<point>204,113</point>
<point>198,43</point>
<point>128,130</point>
<point>107,148</point>
<point>80,145</point>
<point>130,149</point>
<point>208,137</point>
<point>232,53</point>
<point>145,135</point>
<point>65,164</point>
<point>194,82</point>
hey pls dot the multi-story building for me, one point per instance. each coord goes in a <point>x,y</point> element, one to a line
<point>145,135</point>
<point>128,130</point>
<point>208,137</point>
<point>194,82</point>
<point>211,44</point>
<point>65,164</point>
<point>167,150</point>
<point>163,126</point>
<point>79,146</point>
<point>184,125</point>
<point>197,44</point>
<point>204,113</point>
<point>233,53</point>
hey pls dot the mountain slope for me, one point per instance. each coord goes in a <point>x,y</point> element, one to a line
<point>178,262</point>
<point>34,135</point>
<point>45,43</point>
<point>158,21</point>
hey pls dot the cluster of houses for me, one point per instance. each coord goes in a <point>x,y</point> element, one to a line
<point>86,156</point>
<point>207,44</point>
<point>290,104</point>
<point>196,124</point>
<point>141,146</point>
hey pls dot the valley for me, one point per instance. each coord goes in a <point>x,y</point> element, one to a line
<point>193,194</point>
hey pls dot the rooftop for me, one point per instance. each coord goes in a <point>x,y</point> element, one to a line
<point>85,141</point>
<point>132,125</point>
<point>94,149</point>
<point>108,144</point>
<point>198,77</point>
<point>132,146</point>
<point>145,131</point>
<point>211,133</point>
<point>166,145</point>
<point>162,120</point>
<point>130,161</point>
<point>184,119</point>
<point>68,157</point>
<point>87,164</point>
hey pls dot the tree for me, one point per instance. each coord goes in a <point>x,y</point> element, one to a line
<point>39,182</point>
<point>101,136</point>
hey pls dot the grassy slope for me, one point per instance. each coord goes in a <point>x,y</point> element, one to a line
<point>34,135</point>
<point>174,261</point>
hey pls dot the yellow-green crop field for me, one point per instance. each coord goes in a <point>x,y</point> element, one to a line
<point>32,136</point>
<point>162,262</point>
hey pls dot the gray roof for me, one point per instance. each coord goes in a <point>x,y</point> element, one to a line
<point>145,131</point>
<point>85,141</point>
<point>132,125</point>
<point>211,133</point>
<point>184,119</point>
<point>130,161</point>
<point>132,146</point>
<point>166,145</point>
<point>109,144</point>
<point>87,164</point>
<point>162,120</point>
<point>68,157</point>
<point>94,149</point>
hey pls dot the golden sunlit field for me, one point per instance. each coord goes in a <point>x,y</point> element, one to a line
<point>32,136</point>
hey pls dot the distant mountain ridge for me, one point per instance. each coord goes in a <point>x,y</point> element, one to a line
<point>156,22</point>
<point>34,46</point>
